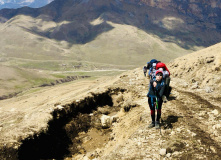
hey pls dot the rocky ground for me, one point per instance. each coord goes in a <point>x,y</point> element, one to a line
<point>107,118</point>
<point>190,127</point>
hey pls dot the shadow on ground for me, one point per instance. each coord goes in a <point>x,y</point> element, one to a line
<point>168,123</point>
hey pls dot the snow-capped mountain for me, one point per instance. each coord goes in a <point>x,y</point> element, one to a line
<point>22,3</point>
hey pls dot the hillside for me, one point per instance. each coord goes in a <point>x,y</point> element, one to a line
<point>64,121</point>
<point>99,38</point>
<point>126,47</point>
<point>200,70</point>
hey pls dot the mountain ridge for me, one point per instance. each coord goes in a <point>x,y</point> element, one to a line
<point>181,21</point>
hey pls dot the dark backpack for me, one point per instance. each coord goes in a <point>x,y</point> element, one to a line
<point>150,64</point>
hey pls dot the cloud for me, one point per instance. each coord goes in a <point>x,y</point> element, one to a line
<point>2,2</point>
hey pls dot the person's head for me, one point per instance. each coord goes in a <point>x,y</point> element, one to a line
<point>154,65</point>
<point>159,75</point>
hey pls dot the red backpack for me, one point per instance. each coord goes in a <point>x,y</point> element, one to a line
<point>162,65</point>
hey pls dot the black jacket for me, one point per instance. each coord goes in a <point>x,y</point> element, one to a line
<point>158,90</point>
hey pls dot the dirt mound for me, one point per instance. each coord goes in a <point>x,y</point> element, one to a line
<point>199,70</point>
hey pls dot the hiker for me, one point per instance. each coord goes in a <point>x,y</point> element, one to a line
<point>152,71</point>
<point>145,70</point>
<point>166,74</point>
<point>154,95</point>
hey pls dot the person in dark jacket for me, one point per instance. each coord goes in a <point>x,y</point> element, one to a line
<point>154,95</point>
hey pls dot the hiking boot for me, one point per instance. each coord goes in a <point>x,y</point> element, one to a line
<point>151,125</point>
<point>164,99</point>
<point>157,125</point>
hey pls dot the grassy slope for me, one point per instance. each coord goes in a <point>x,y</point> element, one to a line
<point>122,48</point>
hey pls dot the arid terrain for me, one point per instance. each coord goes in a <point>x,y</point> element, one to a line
<point>72,84</point>
<point>65,121</point>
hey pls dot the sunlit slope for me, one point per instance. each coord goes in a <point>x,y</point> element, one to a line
<point>14,80</point>
<point>123,44</point>
<point>34,58</point>
<point>126,44</point>
<point>19,40</point>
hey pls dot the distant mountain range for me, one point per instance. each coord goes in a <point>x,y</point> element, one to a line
<point>22,3</point>
<point>189,22</point>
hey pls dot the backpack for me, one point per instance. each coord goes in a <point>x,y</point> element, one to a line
<point>162,65</point>
<point>150,64</point>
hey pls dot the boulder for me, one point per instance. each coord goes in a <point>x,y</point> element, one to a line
<point>208,89</point>
<point>105,121</point>
<point>59,107</point>
<point>163,152</point>
<point>114,119</point>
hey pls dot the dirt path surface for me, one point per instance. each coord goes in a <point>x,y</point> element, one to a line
<point>190,124</point>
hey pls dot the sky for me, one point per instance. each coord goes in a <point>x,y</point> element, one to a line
<point>22,3</point>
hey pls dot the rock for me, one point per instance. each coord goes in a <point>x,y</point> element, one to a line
<point>178,130</point>
<point>106,121</point>
<point>217,126</point>
<point>176,153</point>
<point>86,139</point>
<point>193,81</point>
<point>114,118</point>
<point>208,89</point>
<point>184,84</point>
<point>217,69</point>
<point>120,98</point>
<point>168,155</point>
<point>193,134</point>
<point>172,133</point>
<point>59,107</point>
<point>86,158</point>
<point>163,152</point>
<point>195,86</point>
<point>209,59</point>
<point>213,149</point>
<point>215,112</point>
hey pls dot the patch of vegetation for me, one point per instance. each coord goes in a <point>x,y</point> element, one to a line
<point>50,65</point>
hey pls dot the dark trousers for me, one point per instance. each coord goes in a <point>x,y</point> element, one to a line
<point>167,87</point>
<point>152,102</point>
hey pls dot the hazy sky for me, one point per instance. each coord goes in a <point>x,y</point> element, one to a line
<point>21,3</point>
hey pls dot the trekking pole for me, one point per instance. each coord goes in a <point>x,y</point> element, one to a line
<point>156,103</point>
<point>156,100</point>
